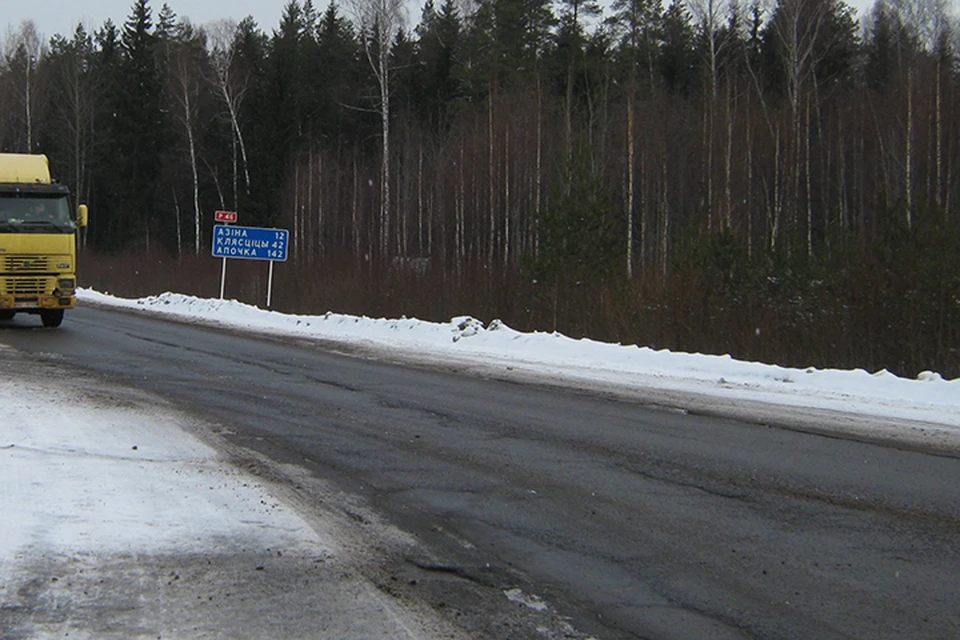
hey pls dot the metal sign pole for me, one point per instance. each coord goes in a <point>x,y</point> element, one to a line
<point>226,217</point>
<point>269,283</point>
<point>223,277</point>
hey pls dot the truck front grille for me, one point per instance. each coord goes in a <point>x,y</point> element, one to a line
<point>25,263</point>
<point>24,286</point>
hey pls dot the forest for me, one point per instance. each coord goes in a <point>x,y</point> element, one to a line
<point>777,181</point>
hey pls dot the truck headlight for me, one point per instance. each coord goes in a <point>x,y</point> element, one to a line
<point>66,284</point>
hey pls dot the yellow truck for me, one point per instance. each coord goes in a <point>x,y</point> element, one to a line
<point>38,240</point>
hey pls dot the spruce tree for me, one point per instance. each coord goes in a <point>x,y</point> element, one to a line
<point>438,46</point>
<point>678,60</point>
<point>141,130</point>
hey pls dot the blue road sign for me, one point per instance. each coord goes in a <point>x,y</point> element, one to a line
<point>251,243</point>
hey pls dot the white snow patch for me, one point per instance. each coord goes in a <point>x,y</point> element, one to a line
<point>123,480</point>
<point>528,600</point>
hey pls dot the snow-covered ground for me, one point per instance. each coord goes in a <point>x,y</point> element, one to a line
<point>102,508</point>
<point>118,521</point>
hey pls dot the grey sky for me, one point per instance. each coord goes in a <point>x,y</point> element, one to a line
<point>61,16</point>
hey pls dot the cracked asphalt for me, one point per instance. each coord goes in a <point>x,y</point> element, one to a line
<point>622,520</point>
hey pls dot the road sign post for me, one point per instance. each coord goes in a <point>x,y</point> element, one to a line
<point>224,216</point>
<point>249,243</point>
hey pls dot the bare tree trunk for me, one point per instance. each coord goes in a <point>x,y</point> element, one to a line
<point>231,89</point>
<point>27,104</point>
<point>707,146</point>
<point>748,205</point>
<point>76,114</point>
<point>842,208</point>
<point>321,217</point>
<point>176,210</point>
<point>186,89</point>
<point>400,212</point>
<point>491,187</point>
<point>568,121</point>
<point>948,171</point>
<point>308,214</point>
<point>861,175</point>
<point>631,167</point>
<point>432,197</point>
<point>908,152</point>
<point>196,190</point>
<point>27,42</point>
<point>808,186</point>
<point>538,179</point>
<point>243,147</point>
<point>385,169</point>
<point>664,221</point>
<point>728,166</point>
<point>238,139</point>
<point>234,180</point>
<point>939,133</point>
<point>644,181</point>
<point>461,249</point>
<point>794,162</point>
<point>355,208</point>
<point>775,208</point>
<point>884,160</point>
<point>296,208</point>
<point>77,136</point>
<point>420,196</point>
<point>380,21</point>
<point>505,259</point>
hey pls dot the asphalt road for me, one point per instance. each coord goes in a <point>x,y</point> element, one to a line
<point>635,523</point>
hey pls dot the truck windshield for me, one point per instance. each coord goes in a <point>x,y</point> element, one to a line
<point>35,214</point>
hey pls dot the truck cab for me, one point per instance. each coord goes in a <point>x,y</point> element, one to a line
<point>38,240</point>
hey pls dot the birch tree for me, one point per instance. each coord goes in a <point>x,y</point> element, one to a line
<point>75,84</point>
<point>22,56</point>
<point>230,84</point>
<point>635,23</point>
<point>379,22</point>
<point>185,84</point>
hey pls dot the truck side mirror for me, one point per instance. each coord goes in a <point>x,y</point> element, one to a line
<point>82,215</point>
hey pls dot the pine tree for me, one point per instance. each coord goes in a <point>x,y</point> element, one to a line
<point>577,240</point>
<point>141,128</point>
<point>438,45</point>
<point>336,75</point>
<point>255,119</point>
<point>637,26</point>
<point>106,231</point>
<point>678,61</point>
<point>508,40</point>
<point>881,47</point>
<point>280,118</point>
<point>568,53</point>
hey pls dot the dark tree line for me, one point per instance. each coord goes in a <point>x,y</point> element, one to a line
<point>778,182</point>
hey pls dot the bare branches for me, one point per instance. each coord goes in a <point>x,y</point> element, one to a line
<point>230,84</point>
<point>22,54</point>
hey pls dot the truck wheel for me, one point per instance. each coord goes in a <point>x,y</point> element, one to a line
<point>52,318</point>
<point>7,314</point>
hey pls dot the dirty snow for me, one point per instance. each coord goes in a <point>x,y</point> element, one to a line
<point>928,398</point>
